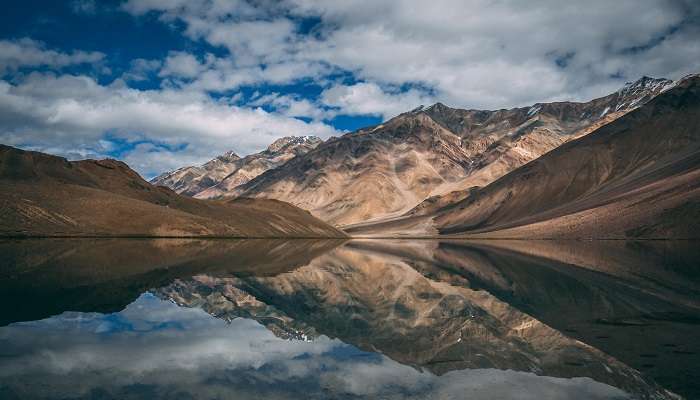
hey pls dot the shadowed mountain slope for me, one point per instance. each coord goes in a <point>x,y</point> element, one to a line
<point>45,195</point>
<point>638,177</point>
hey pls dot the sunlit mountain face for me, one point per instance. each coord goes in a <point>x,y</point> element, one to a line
<point>339,319</point>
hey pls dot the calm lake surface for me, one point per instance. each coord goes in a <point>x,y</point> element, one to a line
<point>379,319</point>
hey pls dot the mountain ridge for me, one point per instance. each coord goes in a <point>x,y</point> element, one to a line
<point>45,195</point>
<point>214,177</point>
<point>387,170</point>
<point>635,177</point>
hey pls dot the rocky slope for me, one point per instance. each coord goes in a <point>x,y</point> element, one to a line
<point>45,195</point>
<point>385,171</point>
<point>193,179</point>
<point>638,176</point>
<point>225,172</point>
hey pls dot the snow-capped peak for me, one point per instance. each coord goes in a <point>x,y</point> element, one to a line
<point>286,141</point>
<point>645,83</point>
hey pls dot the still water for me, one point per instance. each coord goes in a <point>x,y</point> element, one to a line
<point>379,319</point>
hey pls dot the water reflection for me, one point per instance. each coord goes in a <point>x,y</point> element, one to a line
<point>154,349</point>
<point>104,275</point>
<point>389,319</point>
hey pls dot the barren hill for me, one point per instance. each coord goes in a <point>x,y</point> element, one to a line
<point>637,176</point>
<point>45,195</point>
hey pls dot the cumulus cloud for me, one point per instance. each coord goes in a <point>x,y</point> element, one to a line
<point>499,54</point>
<point>220,74</point>
<point>181,65</point>
<point>141,69</point>
<point>156,349</point>
<point>70,114</point>
<point>477,53</point>
<point>357,99</point>
<point>26,52</point>
<point>293,106</point>
<point>370,99</point>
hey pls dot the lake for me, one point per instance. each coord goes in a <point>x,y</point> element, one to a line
<point>333,319</point>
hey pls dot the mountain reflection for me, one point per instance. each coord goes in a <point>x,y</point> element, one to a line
<point>375,318</point>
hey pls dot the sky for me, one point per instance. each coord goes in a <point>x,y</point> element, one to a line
<point>161,84</point>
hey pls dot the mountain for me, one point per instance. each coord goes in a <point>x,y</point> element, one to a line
<point>193,179</point>
<point>45,195</point>
<point>225,172</point>
<point>387,170</point>
<point>638,176</point>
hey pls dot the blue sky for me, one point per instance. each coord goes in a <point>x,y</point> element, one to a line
<point>161,84</point>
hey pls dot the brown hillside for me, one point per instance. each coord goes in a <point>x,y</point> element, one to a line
<point>45,195</point>
<point>638,176</point>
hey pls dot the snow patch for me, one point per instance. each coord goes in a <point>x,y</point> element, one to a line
<point>534,110</point>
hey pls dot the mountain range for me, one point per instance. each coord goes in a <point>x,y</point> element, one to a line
<point>637,176</point>
<point>386,170</point>
<point>417,161</point>
<point>222,174</point>
<point>621,166</point>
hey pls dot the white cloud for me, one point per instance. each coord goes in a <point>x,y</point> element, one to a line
<point>369,98</point>
<point>476,53</point>
<point>501,54</point>
<point>31,53</point>
<point>293,106</point>
<point>252,42</point>
<point>357,99</point>
<point>70,114</point>
<point>140,69</point>
<point>175,352</point>
<point>181,65</point>
<point>219,74</point>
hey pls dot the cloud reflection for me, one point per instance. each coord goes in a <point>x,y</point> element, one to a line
<point>155,349</point>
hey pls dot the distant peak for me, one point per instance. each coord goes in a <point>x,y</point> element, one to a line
<point>287,141</point>
<point>435,108</point>
<point>438,108</point>
<point>229,155</point>
<point>645,82</point>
